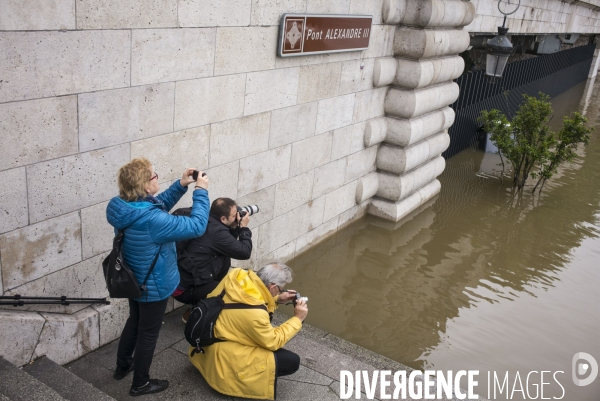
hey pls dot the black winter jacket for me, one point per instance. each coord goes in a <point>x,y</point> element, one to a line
<point>205,258</point>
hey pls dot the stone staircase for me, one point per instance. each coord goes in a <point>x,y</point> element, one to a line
<point>90,377</point>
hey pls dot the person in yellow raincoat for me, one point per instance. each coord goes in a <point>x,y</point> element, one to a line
<point>250,359</point>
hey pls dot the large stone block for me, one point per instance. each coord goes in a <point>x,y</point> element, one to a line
<point>292,124</point>
<point>209,100</point>
<point>71,177</point>
<point>319,82</point>
<point>361,163</point>
<point>171,154</point>
<point>340,200</point>
<point>13,199</point>
<point>289,226</point>
<point>348,140</point>
<point>403,132</point>
<point>367,187</point>
<point>329,177</point>
<point>438,13</point>
<point>40,249</point>
<point>395,211</point>
<point>68,337</point>
<point>264,169</point>
<point>328,7</point>
<point>235,139</point>
<point>357,75</point>
<point>413,74</point>
<point>335,112</point>
<point>413,103</point>
<point>45,64</point>
<point>351,215</point>
<point>397,160</point>
<point>384,71</point>
<point>293,192</point>
<point>393,11</point>
<point>375,131</point>
<point>245,49</point>
<point>20,332</point>
<point>115,14</point>
<point>111,319</point>
<point>161,55</point>
<point>269,90</point>
<point>37,130</point>
<point>313,237</point>
<point>269,12</point>
<point>418,43</point>
<point>223,181</point>
<point>282,254</point>
<point>369,104</point>
<point>381,43</point>
<point>96,233</point>
<point>33,15</point>
<point>197,13</point>
<point>310,153</point>
<point>265,200</point>
<point>396,188</point>
<point>135,113</point>
<point>81,280</point>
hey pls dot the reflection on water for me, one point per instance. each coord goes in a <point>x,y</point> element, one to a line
<point>478,278</point>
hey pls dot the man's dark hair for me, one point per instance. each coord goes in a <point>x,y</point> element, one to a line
<point>221,207</point>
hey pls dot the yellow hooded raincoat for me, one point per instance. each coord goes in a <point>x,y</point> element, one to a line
<point>244,365</point>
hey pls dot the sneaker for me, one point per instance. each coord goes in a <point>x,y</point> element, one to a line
<point>120,373</point>
<point>186,315</point>
<point>153,386</point>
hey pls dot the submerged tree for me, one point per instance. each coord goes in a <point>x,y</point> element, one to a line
<point>527,141</point>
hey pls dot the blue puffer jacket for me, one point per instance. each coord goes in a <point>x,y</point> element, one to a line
<point>147,226</point>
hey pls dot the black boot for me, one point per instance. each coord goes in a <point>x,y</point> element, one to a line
<point>153,386</point>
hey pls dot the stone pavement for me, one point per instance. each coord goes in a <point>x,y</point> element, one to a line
<point>322,357</point>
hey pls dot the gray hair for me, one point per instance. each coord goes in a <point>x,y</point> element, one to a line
<point>277,273</point>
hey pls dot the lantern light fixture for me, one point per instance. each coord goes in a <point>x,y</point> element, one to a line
<point>499,48</point>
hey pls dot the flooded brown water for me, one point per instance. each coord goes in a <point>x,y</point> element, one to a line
<point>475,280</point>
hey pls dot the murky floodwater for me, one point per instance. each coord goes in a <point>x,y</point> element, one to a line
<point>475,279</point>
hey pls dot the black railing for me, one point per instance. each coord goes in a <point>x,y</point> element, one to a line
<point>551,74</point>
<point>18,300</point>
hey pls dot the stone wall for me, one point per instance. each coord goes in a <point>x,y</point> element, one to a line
<point>87,85</point>
<point>538,16</point>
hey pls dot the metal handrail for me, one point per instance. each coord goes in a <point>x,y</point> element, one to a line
<point>18,300</point>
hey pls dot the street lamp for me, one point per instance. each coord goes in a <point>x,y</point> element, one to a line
<point>499,48</point>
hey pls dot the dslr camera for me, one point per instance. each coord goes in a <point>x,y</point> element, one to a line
<point>247,210</point>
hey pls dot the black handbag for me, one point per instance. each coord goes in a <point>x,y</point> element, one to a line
<point>120,280</point>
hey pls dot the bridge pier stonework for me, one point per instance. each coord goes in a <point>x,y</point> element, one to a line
<point>428,37</point>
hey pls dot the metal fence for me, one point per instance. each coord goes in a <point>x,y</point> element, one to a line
<point>551,74</point>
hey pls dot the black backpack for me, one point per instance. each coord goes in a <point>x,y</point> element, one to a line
<point>200,327</point>
<point>120,280</point>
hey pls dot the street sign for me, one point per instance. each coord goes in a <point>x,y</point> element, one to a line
<point>306,34</point>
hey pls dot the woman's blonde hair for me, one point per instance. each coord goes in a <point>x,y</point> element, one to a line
<point>132,179</point>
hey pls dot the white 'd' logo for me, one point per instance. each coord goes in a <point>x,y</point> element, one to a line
<point>582,368</point>
<point>293,35</point>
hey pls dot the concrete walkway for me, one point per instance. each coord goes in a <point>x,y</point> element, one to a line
<point>322,357</point>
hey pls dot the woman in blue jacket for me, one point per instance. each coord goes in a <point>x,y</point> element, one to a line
<point>149,231</point>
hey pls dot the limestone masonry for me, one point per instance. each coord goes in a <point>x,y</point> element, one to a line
<point>317,141</point>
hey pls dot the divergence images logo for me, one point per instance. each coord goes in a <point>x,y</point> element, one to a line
<point>581,368</point>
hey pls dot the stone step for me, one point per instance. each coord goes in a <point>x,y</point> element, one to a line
<point>64,382</point>
<point>17,385</point>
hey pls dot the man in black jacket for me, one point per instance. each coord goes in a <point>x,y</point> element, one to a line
<point>204,261</point>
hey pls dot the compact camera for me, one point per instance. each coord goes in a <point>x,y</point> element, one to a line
<point>249,210</point>
<point>195,175</point>
<point>298,298</point>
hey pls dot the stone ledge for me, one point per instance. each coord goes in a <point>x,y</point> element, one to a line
<point>413,103</point>
<point>395,211</point>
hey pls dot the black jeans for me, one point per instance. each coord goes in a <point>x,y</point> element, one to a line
<point>195,294</point>
<point>286,362</point>
<point>140,335</point>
